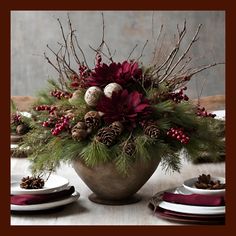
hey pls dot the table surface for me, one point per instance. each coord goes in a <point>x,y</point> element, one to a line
<point>85,212</point>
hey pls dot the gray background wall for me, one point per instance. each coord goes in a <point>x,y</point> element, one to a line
<point>31,31</point>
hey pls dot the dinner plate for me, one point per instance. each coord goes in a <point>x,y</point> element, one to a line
<point>46,206</point>
<point>189,209</point>
<point>190,218</point>
<point>53,184</point>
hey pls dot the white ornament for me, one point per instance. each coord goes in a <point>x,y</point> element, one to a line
<point>92,95</point>
<point>110,88</point>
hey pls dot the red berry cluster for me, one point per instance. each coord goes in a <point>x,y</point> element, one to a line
<point>82,70</point>
<point>59,94</point>
<point>48,108</point>
<point>50,122</point>
<point>75,81</point>
<point>98,60</point>
<point>179,96</point>
<point>61,125</point>
<point>178,134</point>
<point>15,119</point>
<point>201,111</point>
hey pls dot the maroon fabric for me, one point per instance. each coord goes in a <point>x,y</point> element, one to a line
<point>29,199</point>
<point>194,199</point>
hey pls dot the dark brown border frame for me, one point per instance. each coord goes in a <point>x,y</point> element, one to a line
<point>7,6</point>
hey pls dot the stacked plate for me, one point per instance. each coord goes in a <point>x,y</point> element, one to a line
<point>54,185</point>
<point>193,214</point>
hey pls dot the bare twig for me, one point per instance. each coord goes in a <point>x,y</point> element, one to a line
<point>71,41</point>
<point>49,61</point>
<point>101,52</point>
<point>136,45</point>
<point>65,41</point>
<point>155,47</point>
<point>173,52</point>
<point>194,39</point>
<point>103,34</point>
<point>201,68</point>
<point>144,46</point>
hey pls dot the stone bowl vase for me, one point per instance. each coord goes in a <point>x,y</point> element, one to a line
<point>109,186</point>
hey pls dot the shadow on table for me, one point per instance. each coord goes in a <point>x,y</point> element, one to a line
<point>71,209</point>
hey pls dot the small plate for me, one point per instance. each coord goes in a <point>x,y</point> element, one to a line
<point>189,185</point>
<point>189,209</point>
<point>46,206</point>
<point>53,184</point>
<point>220,114</point>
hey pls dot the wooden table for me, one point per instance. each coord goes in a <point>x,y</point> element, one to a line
<point>84,212</point>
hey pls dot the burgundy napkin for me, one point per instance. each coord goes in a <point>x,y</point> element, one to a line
<point>29,199</point>
<point>194,199</point>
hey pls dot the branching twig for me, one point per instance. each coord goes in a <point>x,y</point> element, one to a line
<point>144,46</point>
<point>194,39</point>
<point>136,45</point>
<point>174,51</point>
<point>155,47</point>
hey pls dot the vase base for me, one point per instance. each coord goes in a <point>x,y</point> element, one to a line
<point>130,200</point>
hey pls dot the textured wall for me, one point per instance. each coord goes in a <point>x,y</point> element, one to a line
<point>31,31</point>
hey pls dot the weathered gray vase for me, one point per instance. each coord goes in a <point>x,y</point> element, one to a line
<point>111,187</point>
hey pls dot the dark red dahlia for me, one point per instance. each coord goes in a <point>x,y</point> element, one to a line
<point>128,108</point>
<point>115,72</point>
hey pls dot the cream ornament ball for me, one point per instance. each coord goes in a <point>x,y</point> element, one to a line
<point>92,96</point>
<point>110,88</point>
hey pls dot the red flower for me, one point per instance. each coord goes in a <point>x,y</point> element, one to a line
<point>115,72</point>
<point>128,108</point>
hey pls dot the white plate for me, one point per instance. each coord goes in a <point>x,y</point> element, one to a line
<point>201,210</point>
<point>46,206</point>
<point>189,185</point>
<point>53,184</point>
<point>220,114</point>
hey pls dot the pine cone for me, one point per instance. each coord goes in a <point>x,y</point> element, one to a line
<point>152,131</point>
<point>32,182</point>
<point>79,131</point>
<point>106,136</point>
<point>129,148</point>
<point>22,129</point>
<point>92,119</point>
<point>117,127</point>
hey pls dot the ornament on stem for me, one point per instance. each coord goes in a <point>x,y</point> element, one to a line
<point>92,95</point>
<point>76,96</point>
<point>110,88</point>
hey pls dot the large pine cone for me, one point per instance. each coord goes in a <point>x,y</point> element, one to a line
<point>92,119</point>
<point>106,136</point>
<point>117,127</point>
<point>152,131</point>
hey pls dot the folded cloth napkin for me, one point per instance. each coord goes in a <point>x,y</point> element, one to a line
<point>194,199</point>
<point>29,199</point>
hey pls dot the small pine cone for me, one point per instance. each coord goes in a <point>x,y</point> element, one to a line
<point>117,127</point>
<point>22,129</point>
<point>129,148</point>
<point>79,131</point>
<point>152,131</point>
<point>106,136</point>
<point>92,119</point>
<point>32,182</point>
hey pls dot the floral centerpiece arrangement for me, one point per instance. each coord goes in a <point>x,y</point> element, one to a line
<point>120,112</point>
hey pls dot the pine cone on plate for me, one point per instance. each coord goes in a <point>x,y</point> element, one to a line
<point>32,182</point>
